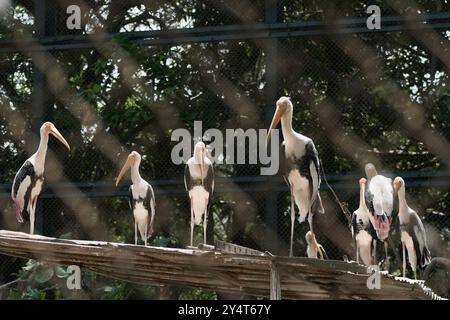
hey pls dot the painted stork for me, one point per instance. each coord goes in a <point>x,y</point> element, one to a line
<point>380,202</point>
<point>412,232</point>
<point>299,165</point>
<point>28,181</point>
<point>314,249</point>
<point>142,198</point>
<point>361,227</point>
<point>199,182</point>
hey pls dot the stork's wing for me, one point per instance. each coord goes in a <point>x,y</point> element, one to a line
<point>26,170</point>
<point>282,162</point>
<point>187,178</point>
<point>314,180</point>
<point>354,224</point>
<point>312,163</point>
<point>21,189</point>
<point>131,200</point>
<point>151,207</point>
<point>369,199</point>
<point>209,180</point>
<point>417,232</point>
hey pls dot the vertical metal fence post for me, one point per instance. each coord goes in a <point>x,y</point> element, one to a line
<point>42,102</point>
<point>273,14</point>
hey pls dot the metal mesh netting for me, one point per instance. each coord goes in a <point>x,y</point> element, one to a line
<point>379,97</point>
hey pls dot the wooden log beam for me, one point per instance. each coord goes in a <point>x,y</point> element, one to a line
<point>275,287</point>
<point>255,274</point>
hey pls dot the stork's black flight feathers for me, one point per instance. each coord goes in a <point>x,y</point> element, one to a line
<point>27,170</point>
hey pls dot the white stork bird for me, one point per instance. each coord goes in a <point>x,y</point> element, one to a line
<point>299,164</point>
<point>199,182</point>
<point>314,249</point>
<point>361,227</point>
<point>380,202</point>
<point>142,198</point>
<point>412,232</point>
<point>28,181</point>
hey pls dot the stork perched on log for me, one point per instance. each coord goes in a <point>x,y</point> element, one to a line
<point>199,182</point>
<point>361,227</point>
<point>142,198</point>
<point>380,202</point>
<point>314,249</point>
<point>299,165</point>
<point>29,179</point>
<point>413,234</point>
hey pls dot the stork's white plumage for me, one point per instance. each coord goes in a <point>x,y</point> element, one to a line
<point>199,182</point>
<point>413,234</point>
<point>142,198</point>
<point>361,227</point>
<point>299,164</point>
<point>29,179</point>
<point>380,202</point>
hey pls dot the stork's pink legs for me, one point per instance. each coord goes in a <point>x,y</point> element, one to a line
<point>146,234</point>
<point>404,259</point>
<point>192,222</point>
<point>292,223</point>
<point>32,214</point>
<point>205,220</point>
<point>357,252</point>
<point>374,251</point>
<point>135,233</point>
<point>414,264</point>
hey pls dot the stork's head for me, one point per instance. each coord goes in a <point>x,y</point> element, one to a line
<point>284,106</point>
<point>399,183</point>
<point>370,170</point>
<point>199,156</point>
<point>49,128</point>
<point>362,181</point>
<point>134,159</point>
<point>313,245</point>
<point>309,237</point>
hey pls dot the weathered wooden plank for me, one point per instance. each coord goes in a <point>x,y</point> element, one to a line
<point>275,286</point>
<point>240,272</point>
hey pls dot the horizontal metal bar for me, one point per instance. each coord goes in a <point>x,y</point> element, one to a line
<point>255,186</point>
<point>233,32</point>
<point>242,28</point>
<point>409,175</point>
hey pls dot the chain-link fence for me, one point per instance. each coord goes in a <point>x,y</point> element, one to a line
<point>118,85</point>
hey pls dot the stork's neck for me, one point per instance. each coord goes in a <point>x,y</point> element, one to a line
<point>362,199</point>
<point>286,125</point>
<point>402,199</point>
<point>135,176</point>
<point>42,150</point>
<point>198,158</point>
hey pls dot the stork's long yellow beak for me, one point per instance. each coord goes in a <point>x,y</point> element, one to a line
<point>124,170</point>
<point>54,132</point>
<point>396,185</point>
<point>276,119</point>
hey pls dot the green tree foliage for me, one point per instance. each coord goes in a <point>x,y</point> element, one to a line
<point>142,93</point>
